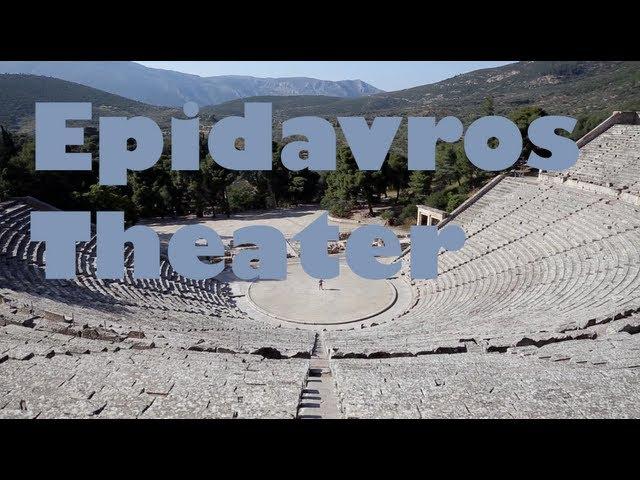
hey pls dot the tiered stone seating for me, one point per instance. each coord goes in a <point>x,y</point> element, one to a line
<point>611,161</point>
<point>74,377</point>
<point>537,257</point>
<point>23,262</point>
<point>480,385</point>
<point>174,311</point>
<point>536,316</point>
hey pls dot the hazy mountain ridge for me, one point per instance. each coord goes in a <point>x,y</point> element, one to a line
<point>19,94</point>
<point>169,88</point>
<point>570,88</point>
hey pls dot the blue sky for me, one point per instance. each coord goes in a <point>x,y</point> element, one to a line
<point>385,75</point>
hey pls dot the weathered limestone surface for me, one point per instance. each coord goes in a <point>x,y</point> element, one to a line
<point>608,164</point>
<point>55,375</point>
<point>574,379</point>
<point>537,316</point>
<point>538,258</point>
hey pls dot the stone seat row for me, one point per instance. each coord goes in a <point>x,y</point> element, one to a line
<point>534,268</point>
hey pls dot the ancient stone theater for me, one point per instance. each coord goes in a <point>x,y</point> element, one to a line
<point>537,316</point>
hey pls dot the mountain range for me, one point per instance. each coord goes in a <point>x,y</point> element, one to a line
<point>568,88</point>
<point>563,88</point>
<point>169,88</point>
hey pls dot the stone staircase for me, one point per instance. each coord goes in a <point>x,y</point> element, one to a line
<point>318,399</point>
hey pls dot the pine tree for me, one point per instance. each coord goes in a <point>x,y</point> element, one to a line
<point>446,172</point>
<point>397,172</point>
<point>488,109</point>
<point>420,184</point>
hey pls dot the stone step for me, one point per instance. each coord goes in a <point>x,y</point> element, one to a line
<point>318,398</point>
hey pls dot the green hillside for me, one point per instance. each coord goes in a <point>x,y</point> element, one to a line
<point>19,93</point>
<point>282,106</point>
<point>571,88</point>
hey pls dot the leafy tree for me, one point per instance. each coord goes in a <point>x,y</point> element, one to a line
<point>167,199</point>
<point>242,196</point>
<point>420,184</point>
<point>346,184</point>
<point>218,180</point>
<point>446,172</point>
<point>397,172</point>
<point>523,118</point>
<point>7,150</point>
<point>104,197</point>
<point>472,175</point>
<point>409,214</point>
<point>196,195</point>
<point>297,187</point>
<point>454,201</point>
<point>337,206</point>
<point>7,145</point>
<point>586,123</point>
<point>488,109</point>
<point>439,199</point>
<point>278,177</point>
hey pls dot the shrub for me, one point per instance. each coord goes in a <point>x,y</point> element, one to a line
<point>390,217</point>
<point>337,207</point>
<point>241,196</point>
<point>464,189</point>
<point>438,199</point>
<point>409,214</point>
<point>387,214</point>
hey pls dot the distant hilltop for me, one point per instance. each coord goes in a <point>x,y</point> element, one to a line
<point>172,89</point>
